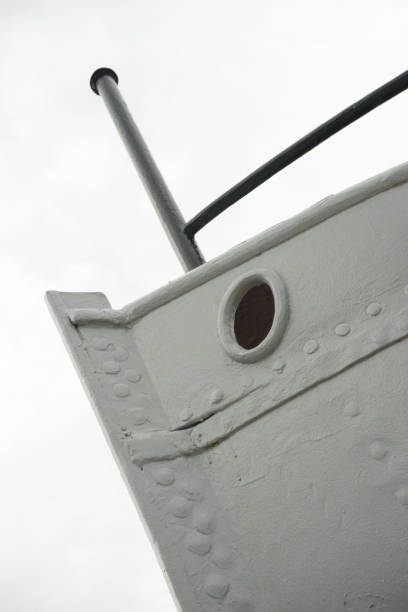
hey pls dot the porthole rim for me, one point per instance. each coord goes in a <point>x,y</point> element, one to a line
<point>229,305</point>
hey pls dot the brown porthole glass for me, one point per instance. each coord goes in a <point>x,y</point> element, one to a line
<point>254,316</point>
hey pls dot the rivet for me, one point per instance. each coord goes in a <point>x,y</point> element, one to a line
<point>111,367</point>
<point>121,390</point>
<point>99,343</point>
<point>179,507</point>
<point>139,416</point>
<point>191,491</point>
<point>198,544</point>
<point>203,521</point>
<point>343,329</point>
<point>216,586</point>
<point>373,309</point>
<point>222,556</point>
<point>379,336</point>
<point>239,599</point>
<point>402,495</point>
<point>278,366</point>
<point>164,477</point>
<point>186,414</point>
<point>216,396</point>
<point>378,450</point>
<point>310,347</point>
<point>132,376</point>
<point>351,410</point>
<point>120,354</point>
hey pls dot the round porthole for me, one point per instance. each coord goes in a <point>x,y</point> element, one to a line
<point>253,315</point>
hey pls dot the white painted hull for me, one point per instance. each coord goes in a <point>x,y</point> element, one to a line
<point>274,479</point>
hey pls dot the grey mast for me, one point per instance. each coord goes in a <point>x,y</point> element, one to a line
<point>104,82</point>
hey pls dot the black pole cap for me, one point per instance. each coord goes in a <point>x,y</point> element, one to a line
<point>100,72</point>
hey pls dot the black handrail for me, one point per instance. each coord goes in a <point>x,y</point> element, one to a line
<point>296,150</point>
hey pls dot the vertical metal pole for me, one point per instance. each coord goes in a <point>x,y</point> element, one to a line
<point>104,82</point>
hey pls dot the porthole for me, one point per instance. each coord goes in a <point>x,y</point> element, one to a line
<point>253,315</point>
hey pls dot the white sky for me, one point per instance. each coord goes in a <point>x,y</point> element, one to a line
<point>217,88</point>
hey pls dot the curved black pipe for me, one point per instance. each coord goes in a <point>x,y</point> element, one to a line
<point>296,150</point>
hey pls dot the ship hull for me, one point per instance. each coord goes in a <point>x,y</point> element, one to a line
<point>275,477</point>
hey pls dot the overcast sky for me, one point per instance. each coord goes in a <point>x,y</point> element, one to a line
<point>217,87</point>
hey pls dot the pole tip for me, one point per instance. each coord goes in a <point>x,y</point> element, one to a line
<point>100,72</point>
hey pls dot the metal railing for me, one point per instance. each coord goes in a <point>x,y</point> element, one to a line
<point>104,82</point>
